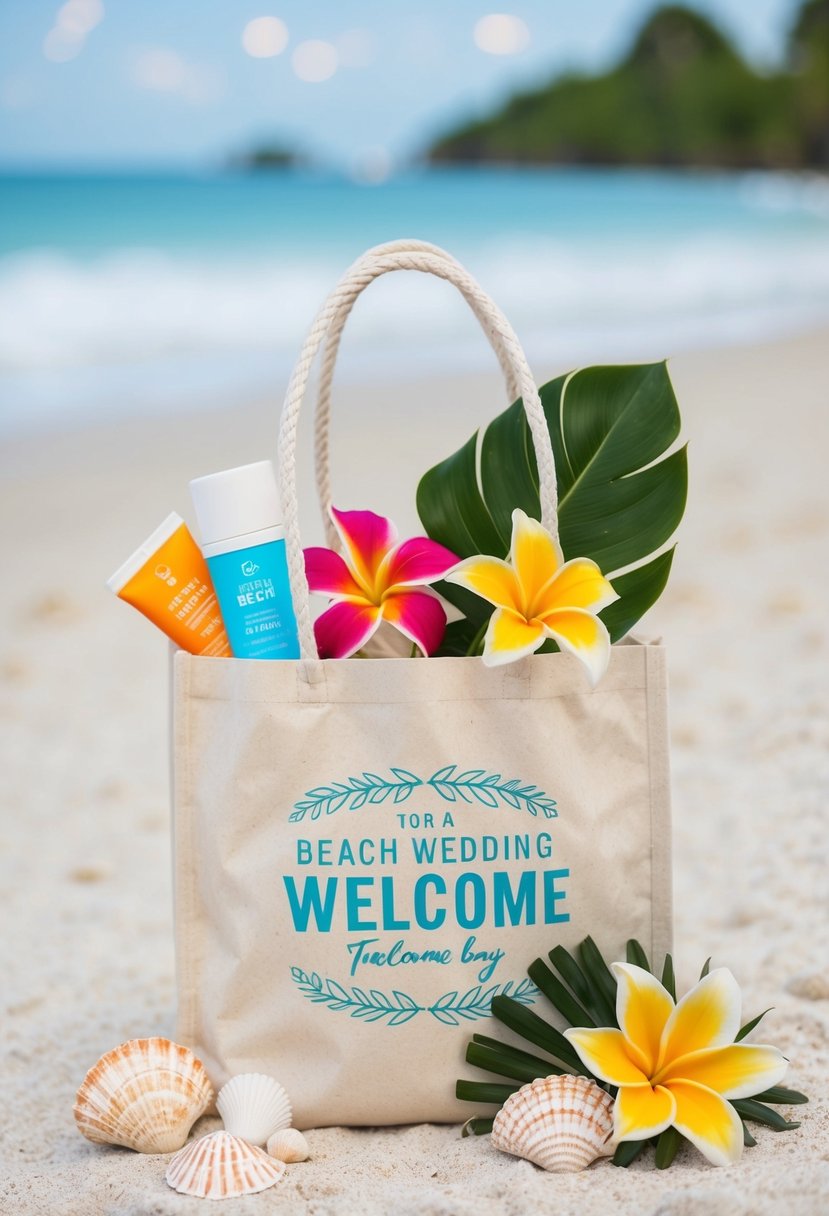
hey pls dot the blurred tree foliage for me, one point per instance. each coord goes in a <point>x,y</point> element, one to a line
<point>682,95</point>
<point>809,59</point>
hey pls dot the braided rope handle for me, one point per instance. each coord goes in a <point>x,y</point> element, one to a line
<point>330,350</point>
<point>340,301</point>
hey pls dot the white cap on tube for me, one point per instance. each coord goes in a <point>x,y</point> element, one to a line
<point>236,502</point>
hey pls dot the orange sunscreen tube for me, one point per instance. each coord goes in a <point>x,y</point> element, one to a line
<point>167,579</point>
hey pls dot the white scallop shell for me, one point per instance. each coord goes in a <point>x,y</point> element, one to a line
<point>221,1166</point>
<point>254,1106</point>
<point>145,1095</point>
<point>561,1123</point>
<point>288,1145</point>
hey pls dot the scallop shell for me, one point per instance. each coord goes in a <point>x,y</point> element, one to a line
<point>221,1166</point>
<point>145,1095</point>
<point>254,1106</point>
<point>288,1145</point>
<point>561,1123</point>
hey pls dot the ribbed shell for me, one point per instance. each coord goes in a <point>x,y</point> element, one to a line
<point>221,1166</point>
<point>560,1123</point>
<point>288,1145</point>
<point>254,1106</point>
<point>145,1095</point>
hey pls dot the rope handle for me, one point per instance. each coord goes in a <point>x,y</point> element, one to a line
<point>339,303</point>
<point>322,414</point>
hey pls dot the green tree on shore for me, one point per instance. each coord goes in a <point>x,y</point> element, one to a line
<point>682,95</point>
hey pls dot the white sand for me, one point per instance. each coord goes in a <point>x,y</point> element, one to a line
<point>86,949</point>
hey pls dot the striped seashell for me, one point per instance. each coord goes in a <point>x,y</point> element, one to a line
<point>145,1095</point>
<point>221,1166</point>
<point>561,1123</point>
<point>254,1106</point>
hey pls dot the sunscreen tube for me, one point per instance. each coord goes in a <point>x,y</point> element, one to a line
<point>167,579</point>
<point>240,519</point>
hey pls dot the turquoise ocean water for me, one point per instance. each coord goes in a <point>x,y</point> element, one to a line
<point>145,292</point>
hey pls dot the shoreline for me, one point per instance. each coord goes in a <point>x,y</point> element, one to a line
<point>25,440</point>
<point>84,825</point>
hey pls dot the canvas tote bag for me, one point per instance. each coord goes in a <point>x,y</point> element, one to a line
<point>368,850</point>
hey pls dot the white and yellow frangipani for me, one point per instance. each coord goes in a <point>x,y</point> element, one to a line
<point>537,595</point>
<point>677,1064</point>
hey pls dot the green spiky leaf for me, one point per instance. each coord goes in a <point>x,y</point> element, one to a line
<point>784,1097</point>
<point>668,978</point>
<point>749,1026</point>
<point>557,994</point>
<point>477,1127</point>
<point>635,954</point>
<point>750,1108</point>
<point>571,973</point>
<point>506,1061</point>
<point>535,1030</point>
<point>667,1145</point>
<point>627,1152</point>
<point>600,974</point>
<point>484,1091</point>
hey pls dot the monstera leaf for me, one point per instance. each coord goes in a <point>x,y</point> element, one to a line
<point>620,496</point>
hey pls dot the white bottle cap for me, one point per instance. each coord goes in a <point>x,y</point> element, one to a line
<point>236,502</point>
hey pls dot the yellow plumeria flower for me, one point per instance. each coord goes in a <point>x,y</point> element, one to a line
<point>537,595</point>
<point>676,1064</point>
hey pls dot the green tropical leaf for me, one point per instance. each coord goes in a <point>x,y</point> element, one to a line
<point>505,1061</point>
<point>666,1148</point>
<point>782,1096</point>
<point>749,1026</point>
<point>621,491</point>
<point>754,1111</point>
<point>572,974</point>
<point>635,954</point>
<point>557,994</point>
<point>627,1152</point>
<point>668,978</point>
<point>600,974</point>
<point>477,1127</point>
<point>484,1091</point>
<point>637,591</point>
<point>535,1030</point>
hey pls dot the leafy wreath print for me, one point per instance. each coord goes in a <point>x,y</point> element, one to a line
<point>399,1008</point>
<point>471,785</point>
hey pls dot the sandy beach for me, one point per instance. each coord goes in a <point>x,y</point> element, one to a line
<point>86,952</point>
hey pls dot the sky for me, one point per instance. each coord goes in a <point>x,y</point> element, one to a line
<point>361,84</point>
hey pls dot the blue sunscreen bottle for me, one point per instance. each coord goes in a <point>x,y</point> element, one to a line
<point>240,520</point>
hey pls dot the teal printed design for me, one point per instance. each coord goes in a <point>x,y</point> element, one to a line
<point>474,785</point>
<point>489,789</point>
<point>375,1006</point>
<point>354,793</point>
<point>478,1001</point>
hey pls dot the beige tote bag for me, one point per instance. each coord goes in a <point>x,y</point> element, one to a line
<point>368,850</point>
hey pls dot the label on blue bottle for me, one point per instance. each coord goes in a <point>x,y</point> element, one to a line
<point>255,598</point>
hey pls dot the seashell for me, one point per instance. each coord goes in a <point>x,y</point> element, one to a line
<point>145,1095</point>
<point>288,1145</point>
<point>221,1166</point>
<point>254,1106</point>
<point>561,1123</point>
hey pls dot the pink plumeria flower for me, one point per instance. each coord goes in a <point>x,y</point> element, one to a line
<point>377,579</point>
